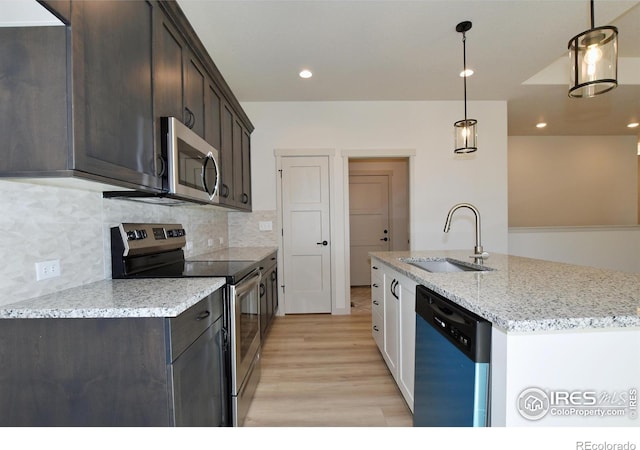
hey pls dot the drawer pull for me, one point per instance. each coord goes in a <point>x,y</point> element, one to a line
<point>375,328</point>
<point>375,302</point>
<point>375,285</point>
<point>203,315</point>
<point>374,267</point>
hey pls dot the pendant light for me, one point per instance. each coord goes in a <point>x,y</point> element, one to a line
<point>594,60</point>
<point>466,133</point>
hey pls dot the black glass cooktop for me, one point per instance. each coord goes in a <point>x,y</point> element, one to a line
<point>233,271</point>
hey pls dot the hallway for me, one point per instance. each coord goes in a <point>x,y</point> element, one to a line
<point>324,370</point>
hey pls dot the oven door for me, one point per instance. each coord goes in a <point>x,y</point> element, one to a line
<point>245,328</point>
<point>192,163</point>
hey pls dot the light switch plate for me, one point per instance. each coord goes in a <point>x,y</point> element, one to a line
<point>265,225</point>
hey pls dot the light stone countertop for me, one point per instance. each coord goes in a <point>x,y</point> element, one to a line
<point>151,297</point>
<point>235,254</point>
<point>531,295</point>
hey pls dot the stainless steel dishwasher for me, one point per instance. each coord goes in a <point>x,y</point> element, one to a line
<point>453,351</point>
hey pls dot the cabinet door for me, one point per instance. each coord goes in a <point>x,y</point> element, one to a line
<point>212,110</point>
<point>264,298</point>
<point>112,91</point>
<point>273,283</point>
<point>34,105</point>
<point>407,339</point>
<point>226,156</point>
<point>199,382</point>
<point>245,198</point>
<point>194,95</point>
<point>169,55</point>
<point>391,311</point>
<point>237,162</point>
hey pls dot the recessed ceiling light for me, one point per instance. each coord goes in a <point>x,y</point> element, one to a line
<point>633,125</point>
<point>541,125</point>
<point>305,74</point>
<point>466,73</point>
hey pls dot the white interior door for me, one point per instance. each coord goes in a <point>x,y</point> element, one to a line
<point>368,223</point>
<point>306,234</point>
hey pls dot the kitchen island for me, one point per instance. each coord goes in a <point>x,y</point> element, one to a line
<point>565,339</point>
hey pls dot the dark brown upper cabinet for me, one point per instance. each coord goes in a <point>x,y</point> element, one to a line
<point>235,150</point>
<point>188,86</point>
<point>112,86</point>
<point>80,97</point>
<point>85,100</point>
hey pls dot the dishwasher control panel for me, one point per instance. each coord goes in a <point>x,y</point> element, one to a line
<point>452,331</point>
<point>466,330</point>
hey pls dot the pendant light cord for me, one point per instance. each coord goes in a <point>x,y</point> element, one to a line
<point>464,68</point>
<point>593,20</point>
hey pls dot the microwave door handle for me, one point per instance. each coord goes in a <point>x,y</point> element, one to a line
<point>209,159</point>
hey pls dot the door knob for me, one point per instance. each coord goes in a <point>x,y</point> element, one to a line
<point>384,239</point>
<point>322,243</point>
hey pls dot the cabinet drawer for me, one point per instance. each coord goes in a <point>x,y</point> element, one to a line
<point>194,321</point>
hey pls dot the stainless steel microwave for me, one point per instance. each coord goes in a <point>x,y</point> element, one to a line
<point>192,163</point>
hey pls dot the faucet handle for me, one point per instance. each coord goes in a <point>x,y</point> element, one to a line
<point>481,256</point>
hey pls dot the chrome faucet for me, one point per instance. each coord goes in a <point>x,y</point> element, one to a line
<point>478,252</point>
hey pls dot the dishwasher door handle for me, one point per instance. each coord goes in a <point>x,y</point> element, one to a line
<point>451,314</point>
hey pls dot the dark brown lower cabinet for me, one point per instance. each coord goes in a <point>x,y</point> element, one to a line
<point>116,372</point>
<point>268,293</point>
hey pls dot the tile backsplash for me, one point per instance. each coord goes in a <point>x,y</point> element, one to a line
<point>42,222</point>
<point>244,229</point>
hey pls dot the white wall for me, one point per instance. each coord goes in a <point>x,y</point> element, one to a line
<point>573,180</point>
<point>438,179</point>
<point>615,248</point>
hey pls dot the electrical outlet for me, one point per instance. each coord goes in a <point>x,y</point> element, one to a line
<point>189,245</point>
<point>221,240</point>
<point>47,269</point>
<point>210,242</point>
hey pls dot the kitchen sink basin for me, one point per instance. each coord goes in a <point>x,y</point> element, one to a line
<point>444,265</point>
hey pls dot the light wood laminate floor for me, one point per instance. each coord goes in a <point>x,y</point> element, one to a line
<point>324,370</point>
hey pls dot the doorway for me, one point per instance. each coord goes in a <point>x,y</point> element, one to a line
<point>378,211</point>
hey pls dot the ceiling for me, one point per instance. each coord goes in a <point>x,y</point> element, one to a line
<point>409,50</point>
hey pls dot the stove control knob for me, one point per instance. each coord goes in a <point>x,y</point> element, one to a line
<point>178,232</point>
<point>131,235</point>
<point>139,234</point>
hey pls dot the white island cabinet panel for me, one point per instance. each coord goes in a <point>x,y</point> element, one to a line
<point>562,378</point>
<point>395,331</point>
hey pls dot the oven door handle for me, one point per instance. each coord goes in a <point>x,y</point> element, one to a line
<point>250,282</point>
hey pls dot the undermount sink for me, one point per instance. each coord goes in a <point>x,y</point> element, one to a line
<point>443,265</point>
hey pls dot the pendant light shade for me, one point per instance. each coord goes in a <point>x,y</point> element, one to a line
<point>466,132</point>
<point>594,61</point>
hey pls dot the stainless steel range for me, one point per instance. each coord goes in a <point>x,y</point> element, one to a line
<point>143,250</point>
